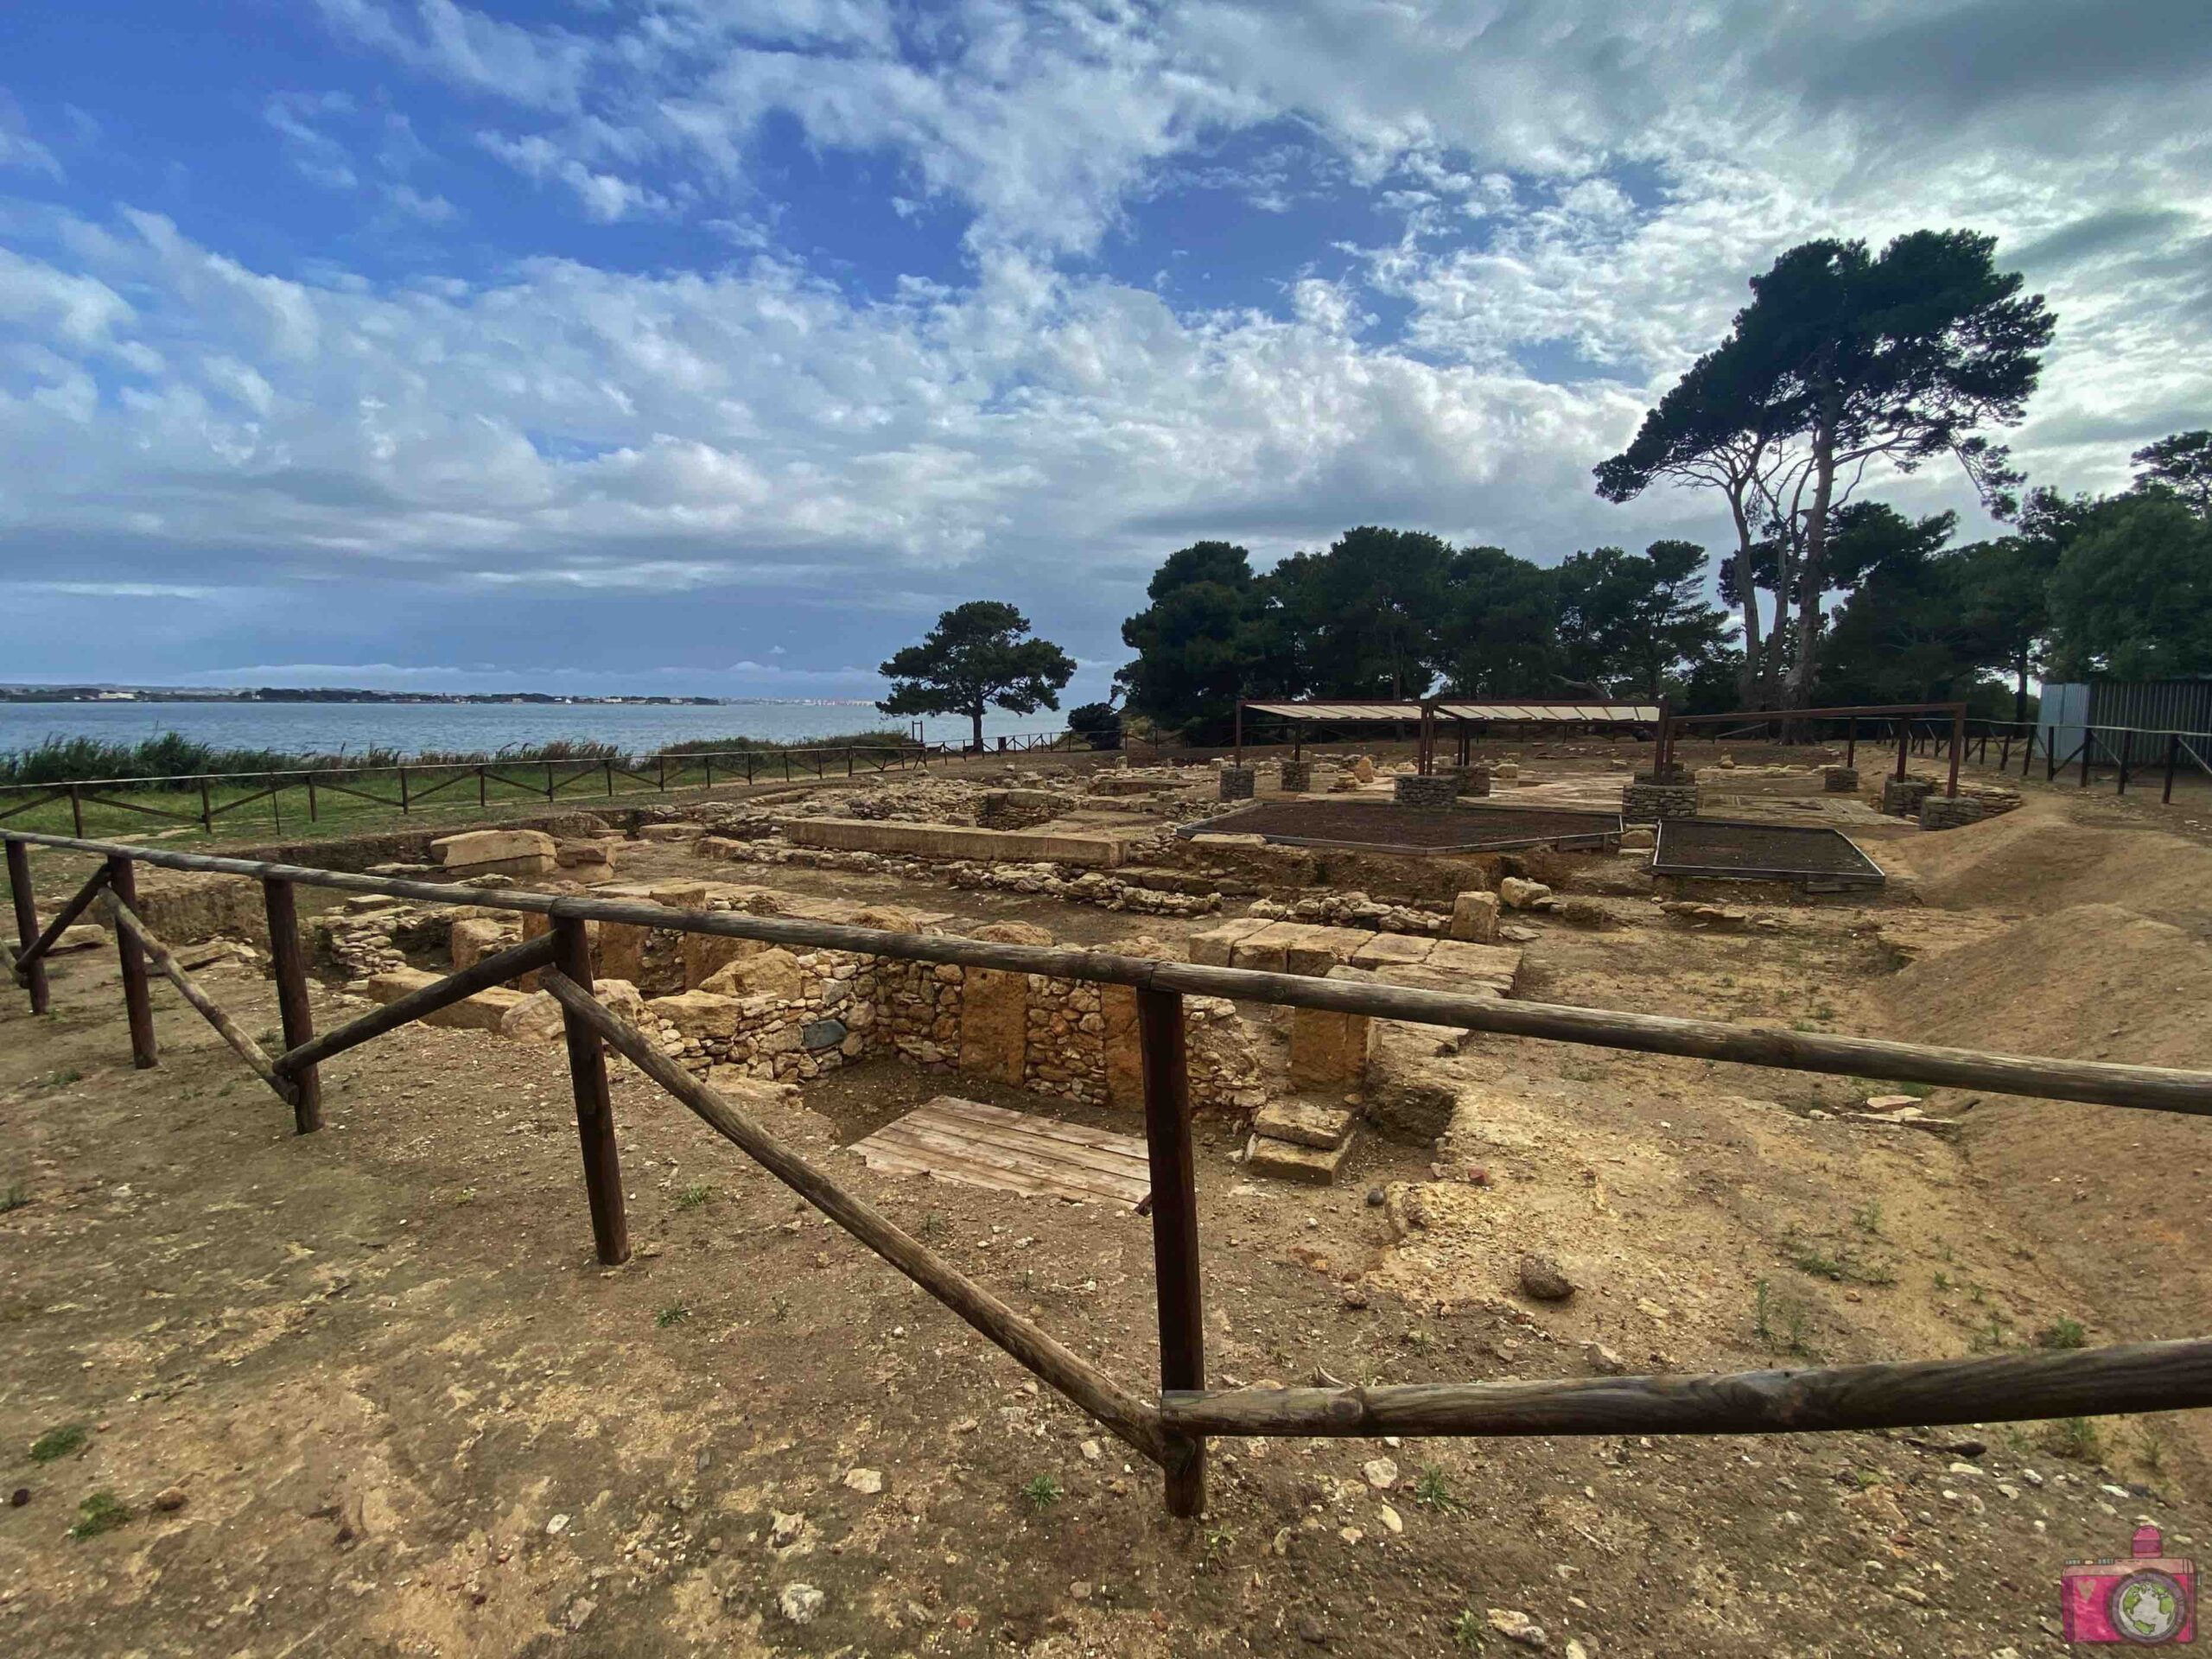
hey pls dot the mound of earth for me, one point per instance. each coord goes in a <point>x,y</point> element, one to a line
<point>2117,1196</point>
<point>2035,862</point>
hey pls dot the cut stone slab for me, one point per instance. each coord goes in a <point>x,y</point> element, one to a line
<point>1474,918</point>
<point>1304,1124</point>
<point>497,852</point>
<point>1214,947</point>
<point>482,1012</point>
<point>78,935</point>
<point>1328,1050</point>
<point>1285,1160</point>
<point>1394,949</point>
<point>1297,948</point>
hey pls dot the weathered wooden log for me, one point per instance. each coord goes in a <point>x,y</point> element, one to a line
<point>1174,1203</point>
<point>78,903</point>
<point>288,966</point>
<point>496,969</point>
<point>2087,1383</point>
<point>31,970</point>
<point>2156,1088</point>
<point>130,960</point>
<point>1129,1417</point>
<point>610,1225</point>
<point>126,921</point>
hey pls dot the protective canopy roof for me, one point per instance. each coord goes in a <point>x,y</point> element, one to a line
<point>1455,709</point>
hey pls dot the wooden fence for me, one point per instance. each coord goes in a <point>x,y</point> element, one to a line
<point>1171,1429</point>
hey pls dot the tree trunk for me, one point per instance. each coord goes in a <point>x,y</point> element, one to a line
<point>1747,682</point>
<point>2020,690</point>
<point>976,714</point>
<point>1810,580</point>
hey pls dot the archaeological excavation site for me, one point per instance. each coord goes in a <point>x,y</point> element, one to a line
<point>1569,1186</point>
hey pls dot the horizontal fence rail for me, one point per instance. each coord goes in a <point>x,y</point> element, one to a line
<point>1171,1432</point>
<point>406,787</point>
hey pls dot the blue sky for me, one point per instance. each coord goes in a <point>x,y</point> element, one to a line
<point>715,345</point>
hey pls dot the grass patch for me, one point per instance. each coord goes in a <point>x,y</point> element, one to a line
<point>62,1079</point>
<point>57,1443</point>
<point>674,1315</point>
<point>13,1198</point>
<point>101,1512</point>
<point>692,1197</point>
<point>1431,1493</point>
<point>1468,1628</point>
<point>2076,1438</point>
<point>2063,1333</point>
<point>1042,1491</point>
<point>1779,1322</point>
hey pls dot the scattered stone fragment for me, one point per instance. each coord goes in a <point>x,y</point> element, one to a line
<point>1382,1473</point>
<point>1517,1626</point>
<point>799,1603</point>
<point>867,1482</point>
<point>558,1525</point>
<point>170,1498</point>
<point>1519,894</point>
<point>1544,1278</point>
<point>1603,1360</point>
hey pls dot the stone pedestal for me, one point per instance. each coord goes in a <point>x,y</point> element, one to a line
<point>1901,797</point>
<point>1839,780</point>
<point>1439,789</point>
<point>1473,780</point>
<point>1651,796</point>
<point>1297,777</point>
<point>1328,1050</point>
<point>1949,812</point>
<point>1238,783</point>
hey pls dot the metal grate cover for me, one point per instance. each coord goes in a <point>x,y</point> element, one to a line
<point>1731,848</point>
<point>1379,826</point>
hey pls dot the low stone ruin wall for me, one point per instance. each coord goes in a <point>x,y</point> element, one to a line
<point>941,840</point>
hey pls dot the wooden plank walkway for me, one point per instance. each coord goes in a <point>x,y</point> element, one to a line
<point>976,1144</point>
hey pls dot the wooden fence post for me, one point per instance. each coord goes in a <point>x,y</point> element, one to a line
<point>311,798</point>
<point>289,967</point>
<point>2173,753</point>
<point>609,764</point>
<point>77,812</point>
<point>406,805</point>
<point>1174,1231</point>
<point>136,1003</point>
<point>483,794</point>
<point>207,810</point>
<point>33,978</point>
<point>610,1229</point>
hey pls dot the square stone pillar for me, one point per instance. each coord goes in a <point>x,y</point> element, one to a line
<point>1328,1050</point>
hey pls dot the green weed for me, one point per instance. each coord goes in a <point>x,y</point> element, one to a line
<point>692,1197</point>
<point>57,1443</point>
<point>2062,1333</point>
<point>674,1314</point>
<point>1042,1491</point>
<point>2075,1438</point>
<point>101,1512</point>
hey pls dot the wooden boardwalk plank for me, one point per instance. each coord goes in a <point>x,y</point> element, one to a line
<point>976,1145</point>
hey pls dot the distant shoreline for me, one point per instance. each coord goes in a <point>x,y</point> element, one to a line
<point>111,695</point>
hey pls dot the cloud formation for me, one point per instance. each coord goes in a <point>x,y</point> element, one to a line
<point>896,305</point>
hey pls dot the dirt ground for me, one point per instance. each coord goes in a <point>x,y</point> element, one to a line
<point>367,1392</point>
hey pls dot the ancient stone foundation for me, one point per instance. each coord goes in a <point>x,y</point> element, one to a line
<point>1651,796</point>
<point>1238,783</point>
<point>1473,780</point>
<point>1439,789</point>
<point>1949,812</point>
<point>1901,797</point>
<point>1297,777</point>
<point>1839,780</point>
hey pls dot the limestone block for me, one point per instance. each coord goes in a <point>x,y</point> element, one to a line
<point>993,1024</point>
<point>1214,947</point>
<point>621,953</point>
<point>1391,950</point>
<point>80,935</point>
<point>1474,917</point>
<point>681,831</point>
<point>1520,894</point>
<point>1363,770</point>
<point>475,938</point>
<point>769,971</point>
<point>481,1012</point>
<point>1123,1054</point>
<point>1285,1160</point>
<point>700,1015</point>
<point>1295,948</point>
<point>1328,1050</point>
<point>706,954</point>
<point>501,852</point>
<point>1303,1123</point>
